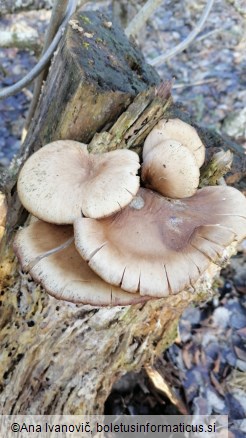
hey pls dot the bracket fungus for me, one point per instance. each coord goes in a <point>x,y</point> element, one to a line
<point>158,246</point>
<point>65,176</point>
<point>180,131</point>
<point>48,253</point>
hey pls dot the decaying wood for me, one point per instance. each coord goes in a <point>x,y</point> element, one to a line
<point>95,75</point>
<point>3,214</point>
<point>131,128</point>
<point>21,37</point>
<point>58,357</point>
<point>57,16</point>
<point>61,358</point>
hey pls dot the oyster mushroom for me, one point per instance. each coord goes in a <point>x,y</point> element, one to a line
<point>62,180</point>
<point>171,169</point>
<point>157,246</point>
<point>48,253</point>
<point>180,131</point>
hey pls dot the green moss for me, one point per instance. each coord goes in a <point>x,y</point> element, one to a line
<point>85,19</point>
<point>85,45</point>
<point>170,336</point>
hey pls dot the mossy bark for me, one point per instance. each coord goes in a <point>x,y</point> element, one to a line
<point>95,75</point>
<point>58,357</point>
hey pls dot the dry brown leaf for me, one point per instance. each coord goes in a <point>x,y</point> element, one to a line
<point>216,367</point>
<point>187,358</point>
<point>241,354</point>
<point>216,384</point>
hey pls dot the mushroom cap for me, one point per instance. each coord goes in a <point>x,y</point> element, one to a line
<point>171,169</point>
<point>177,130</point>
<point>48,253</point>
<point>62,180</point>
<point>158,246</point>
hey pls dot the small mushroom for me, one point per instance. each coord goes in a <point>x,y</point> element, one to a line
<point>48,253</point>
<point>157,246</point>
<point>171,169</point>
<point>180,131</point>
<point>62,180</point>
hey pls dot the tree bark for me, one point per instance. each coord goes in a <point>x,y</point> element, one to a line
<point>58,357</point>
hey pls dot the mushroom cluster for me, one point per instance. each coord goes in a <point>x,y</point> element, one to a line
<point>101,239</point>
<point>172,156</point>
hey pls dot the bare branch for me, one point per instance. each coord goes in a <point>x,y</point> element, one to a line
<point>192,35</point>
<point>142,16</point>
<point>13,89</point>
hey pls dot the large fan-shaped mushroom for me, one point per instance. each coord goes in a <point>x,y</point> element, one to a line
<point>159,246</point>
<point>47,251</point>
<point>62,180</point>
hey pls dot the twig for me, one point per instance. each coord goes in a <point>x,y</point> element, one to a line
<point>194,84</point>
<point>192,35</point>
<point>142,16</point>
<point>13,89</point>
<point>212,32</point>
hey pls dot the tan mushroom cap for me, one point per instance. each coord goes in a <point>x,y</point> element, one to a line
<point>177,130</point>
<point>63,273</point>
<point>159,246</point>
<point>62,180</point>
<point>171,169</point>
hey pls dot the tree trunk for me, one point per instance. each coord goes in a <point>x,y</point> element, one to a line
<point>58,357</point>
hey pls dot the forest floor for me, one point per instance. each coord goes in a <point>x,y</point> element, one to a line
<point>206,367</point>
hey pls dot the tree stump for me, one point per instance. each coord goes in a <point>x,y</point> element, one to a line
<point>58,357</point>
